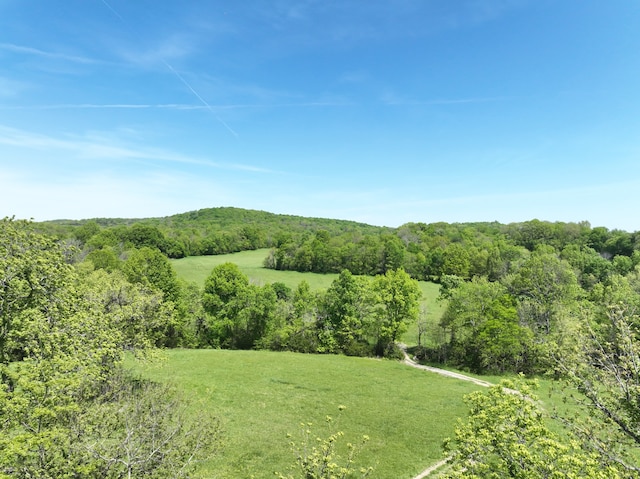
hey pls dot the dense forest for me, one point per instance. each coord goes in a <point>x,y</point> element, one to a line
<point>537,298</point>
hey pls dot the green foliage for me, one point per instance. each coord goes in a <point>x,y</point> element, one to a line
<point>544,285</point>
<point>318,458</point>
<point>88,230</point>
<point>240,312</point>
<point>137,428</point>
<point>397,299</point>
<point>63,332</point>
<point>135,314</point>
<point>343,319</point>
<point>104,258</point>
<point>605,383</point>
<point>148,266</point>
<point>506,436</point>
<point>294,325</point>
<point>484,331</point>
<point>34,282</point>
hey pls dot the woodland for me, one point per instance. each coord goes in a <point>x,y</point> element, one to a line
<point>79,299</point>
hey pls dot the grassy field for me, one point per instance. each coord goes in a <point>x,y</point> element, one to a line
<point>261,396</point>
<point>197,268</point>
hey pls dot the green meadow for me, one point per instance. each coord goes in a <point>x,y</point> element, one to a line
<point>262,396</point>
<point>196,269</point>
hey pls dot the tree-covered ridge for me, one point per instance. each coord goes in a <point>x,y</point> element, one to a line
<point>203,232</point>
<point>425,251</point>
<point>431,251</point>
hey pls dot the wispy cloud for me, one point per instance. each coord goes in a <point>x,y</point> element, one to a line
<point>393,100</point>
<point>171,106</point>
<point>151,52</point>
<point>47,54</point>
<point>171,48</point>
<point>480,11</point>
<point>352,22</point>
<point>96,148</point>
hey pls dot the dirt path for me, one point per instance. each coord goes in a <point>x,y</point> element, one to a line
<point>430,469</point>
<point>443,372</point>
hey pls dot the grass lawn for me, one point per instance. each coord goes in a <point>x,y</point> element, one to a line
<point>261,396</point>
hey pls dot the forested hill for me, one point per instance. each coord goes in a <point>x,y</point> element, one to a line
<point>425,251</point>
<point>228,218</point>
<point>204,232</point>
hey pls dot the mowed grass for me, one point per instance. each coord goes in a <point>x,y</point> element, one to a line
<point>196,269</point>
<point>262,396</point>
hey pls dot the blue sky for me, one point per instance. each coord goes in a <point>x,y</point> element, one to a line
<point>381,111</point>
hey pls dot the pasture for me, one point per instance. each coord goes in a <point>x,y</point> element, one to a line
<point>196,269</point>
<point>262,396</point>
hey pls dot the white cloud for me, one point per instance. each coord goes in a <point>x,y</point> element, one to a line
<point>172,48</point>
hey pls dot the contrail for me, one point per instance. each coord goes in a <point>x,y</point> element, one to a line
<point>204,102</point>
<point>113,10</point>
<point>180,77</point>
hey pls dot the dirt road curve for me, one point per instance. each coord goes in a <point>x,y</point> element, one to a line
<point>410,362</point>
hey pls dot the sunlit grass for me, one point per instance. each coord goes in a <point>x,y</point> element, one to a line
<point>196,269</point>
<point>261,396</point>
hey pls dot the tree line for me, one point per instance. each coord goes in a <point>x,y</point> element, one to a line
<point>426,251</point>
<point>430,251</point>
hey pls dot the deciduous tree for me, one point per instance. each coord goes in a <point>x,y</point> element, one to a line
<point>397,298</point>
<point>506,436</point>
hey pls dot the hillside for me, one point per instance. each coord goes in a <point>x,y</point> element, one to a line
<point>223,218</point>
<point>320,245</point>
<point>208,231</point>
<point>262,396</point>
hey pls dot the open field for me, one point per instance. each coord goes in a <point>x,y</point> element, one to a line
<point>261,396</point>
<point>197,268</point>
